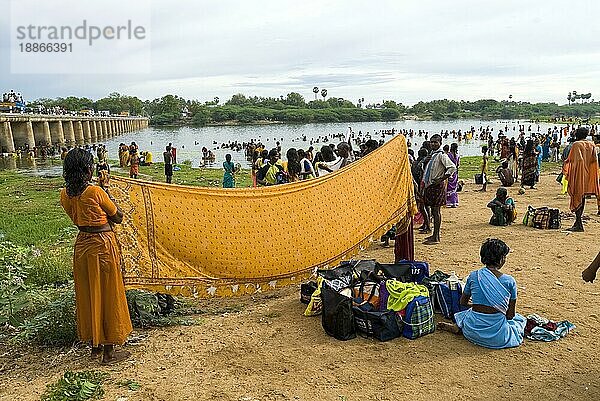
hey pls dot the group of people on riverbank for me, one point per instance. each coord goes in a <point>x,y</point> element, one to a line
<point>489,297</point>
<point>268,168</point>
<point>130,156</point>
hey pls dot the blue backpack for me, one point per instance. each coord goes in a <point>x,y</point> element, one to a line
<point>446,299</point>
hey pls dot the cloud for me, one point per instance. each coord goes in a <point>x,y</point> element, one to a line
<point>402,50</point>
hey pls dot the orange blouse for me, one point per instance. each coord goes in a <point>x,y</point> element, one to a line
<point>91,208</point>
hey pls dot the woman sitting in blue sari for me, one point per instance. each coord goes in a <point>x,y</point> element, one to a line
<point>491,320</point>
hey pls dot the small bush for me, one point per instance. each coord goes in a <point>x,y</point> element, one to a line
<point>54,324</point>
<point>52,267</point>
<point>14,269</point>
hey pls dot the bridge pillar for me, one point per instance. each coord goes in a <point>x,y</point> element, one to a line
<point>99,131</point>
<point>23,134</point>
<point>7,144</point>
<point>78,128</point>
<point>69,132</point>
<point>57,134</point>
<point>93,133</point>
<point>108,129</point>
<point>41,133</point>
<point>87,135</point>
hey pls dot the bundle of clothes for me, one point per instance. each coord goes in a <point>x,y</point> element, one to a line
<point>384,301</point>
<point>541,329</point>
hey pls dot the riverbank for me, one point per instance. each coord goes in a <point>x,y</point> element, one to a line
<point>261,347</point>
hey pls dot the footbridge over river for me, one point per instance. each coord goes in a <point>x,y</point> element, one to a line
<point>18,131</point>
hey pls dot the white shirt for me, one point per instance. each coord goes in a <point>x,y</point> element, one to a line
<point>333,165</point>
<point>439,165</point>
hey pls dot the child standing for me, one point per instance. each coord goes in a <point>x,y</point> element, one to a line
<point>484,168</point>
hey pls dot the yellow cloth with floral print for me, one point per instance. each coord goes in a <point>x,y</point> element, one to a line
<point>208,242</point>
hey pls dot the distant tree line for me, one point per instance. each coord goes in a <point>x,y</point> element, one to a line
<point>293,108</point>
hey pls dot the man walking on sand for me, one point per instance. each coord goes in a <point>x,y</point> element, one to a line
<point>438,170</point>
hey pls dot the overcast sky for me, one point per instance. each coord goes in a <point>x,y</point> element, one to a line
<point>401,50</point>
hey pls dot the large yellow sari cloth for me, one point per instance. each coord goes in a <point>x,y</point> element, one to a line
<point>207,242</point>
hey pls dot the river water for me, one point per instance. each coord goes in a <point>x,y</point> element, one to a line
<point>190,140</point>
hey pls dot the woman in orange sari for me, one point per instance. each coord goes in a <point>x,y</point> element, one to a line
<point>102,313</point>
<point>580,169</point>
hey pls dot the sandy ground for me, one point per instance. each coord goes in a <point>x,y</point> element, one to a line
<point>269,351</point>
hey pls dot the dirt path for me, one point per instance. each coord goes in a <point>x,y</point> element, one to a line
<point>269,351</point>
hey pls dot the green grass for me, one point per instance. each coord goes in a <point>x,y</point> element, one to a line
<point>31,211</point>
<point>471,165</point>
<point>200,177</point>
<point>32,217</point>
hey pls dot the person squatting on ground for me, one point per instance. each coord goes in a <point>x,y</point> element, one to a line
<point>101,306</point>
<point>503,208</point>
<point>437,171</point>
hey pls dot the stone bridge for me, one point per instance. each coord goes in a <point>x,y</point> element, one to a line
<point>19,130</point>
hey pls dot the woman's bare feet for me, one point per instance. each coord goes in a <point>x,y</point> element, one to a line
<point>431,241</point>
<point>449,327</point>
<point>97,352</point>
<point>111,356</point>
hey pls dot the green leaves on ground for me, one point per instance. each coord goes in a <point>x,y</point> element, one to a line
<point>131,385</point>
<point>76,386</point>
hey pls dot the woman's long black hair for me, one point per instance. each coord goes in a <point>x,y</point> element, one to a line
<point>293,158</point>
<point>76,171</point>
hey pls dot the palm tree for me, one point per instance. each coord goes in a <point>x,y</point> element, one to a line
<point>216,100</point>
<point>324,93</point>
<point>569,98</point>
<point>315,91</point>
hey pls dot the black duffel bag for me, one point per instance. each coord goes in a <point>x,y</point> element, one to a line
<point>380,325</point>
<point>397,271</point>
<point>306,291</point>
<point>337,317</point>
